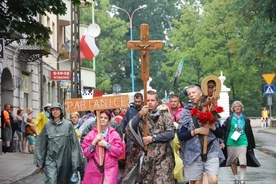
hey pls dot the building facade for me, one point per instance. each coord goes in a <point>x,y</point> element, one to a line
<point>25,71</point>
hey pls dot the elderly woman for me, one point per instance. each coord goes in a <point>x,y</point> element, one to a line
<point>239,140</point>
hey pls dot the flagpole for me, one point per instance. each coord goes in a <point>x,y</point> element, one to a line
<point>177,74</point>
<point>93,21</point>
<point>172,86</point>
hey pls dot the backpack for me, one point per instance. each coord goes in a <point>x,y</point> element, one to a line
<point>14,123</point>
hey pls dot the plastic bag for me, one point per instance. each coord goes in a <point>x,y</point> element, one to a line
<point>75,177</point>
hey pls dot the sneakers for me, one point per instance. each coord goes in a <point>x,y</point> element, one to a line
<point>239,182</point>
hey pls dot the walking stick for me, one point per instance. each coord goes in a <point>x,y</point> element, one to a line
<point>99,133</point>
<point>145,117</point>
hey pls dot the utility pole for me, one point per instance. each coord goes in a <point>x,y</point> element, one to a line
<point>75,53</point>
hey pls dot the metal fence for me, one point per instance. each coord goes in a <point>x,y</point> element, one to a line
<point>257,114</point>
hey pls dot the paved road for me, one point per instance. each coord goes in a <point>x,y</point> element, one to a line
<point>265,153</point>
<point>35,178</point>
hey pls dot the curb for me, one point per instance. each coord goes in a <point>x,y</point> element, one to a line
<point>267,132</point>
<point>19,181</point>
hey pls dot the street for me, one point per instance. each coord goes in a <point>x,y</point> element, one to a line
<point>265,152</point>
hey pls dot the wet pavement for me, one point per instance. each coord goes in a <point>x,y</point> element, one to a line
<point>15,166</point>
<point>265,153</point>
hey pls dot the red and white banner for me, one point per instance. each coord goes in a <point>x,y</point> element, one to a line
<point>88,46</point>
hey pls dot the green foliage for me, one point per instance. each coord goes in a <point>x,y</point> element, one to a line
<point>215,36</point>
<point>231,36</point>
<point>235,37</point>
<point>158,15</point>
<point>114,55</point>
<point>109,62</point>
<point>20,16</point>
<point>79,2</point>
<point>258,20</point>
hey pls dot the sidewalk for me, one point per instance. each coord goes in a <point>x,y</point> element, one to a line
<point>15,166</point>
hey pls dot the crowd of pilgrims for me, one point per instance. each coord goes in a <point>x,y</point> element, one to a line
<point>113,138</point>
<point>127,150</point>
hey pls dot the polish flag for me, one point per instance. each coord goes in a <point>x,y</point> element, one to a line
<point>88,46</point>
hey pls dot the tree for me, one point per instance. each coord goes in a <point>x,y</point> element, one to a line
<point>184,40</point>
<point>258,18</point>
<point>158,15</point>
<point>20,16</point>
<point>216,38</point>
<point>112,46</point>
<point>119,71</point>
<point>22,19</point>
<point>257,22</point>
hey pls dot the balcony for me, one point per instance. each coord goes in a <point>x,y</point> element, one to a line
<point>64,20</point>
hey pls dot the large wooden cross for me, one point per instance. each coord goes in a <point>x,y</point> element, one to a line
<point>145,45</point>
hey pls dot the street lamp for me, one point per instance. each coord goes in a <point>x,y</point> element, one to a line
<point>130,32</point>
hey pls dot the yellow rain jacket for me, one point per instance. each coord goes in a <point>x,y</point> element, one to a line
<point>40,121</point>
<point>178,168</point>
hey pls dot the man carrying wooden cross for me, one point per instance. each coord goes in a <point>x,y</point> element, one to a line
<point>150,130</point>
<point>158,161</point>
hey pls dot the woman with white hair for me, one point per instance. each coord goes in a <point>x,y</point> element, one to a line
<point>239,139</point>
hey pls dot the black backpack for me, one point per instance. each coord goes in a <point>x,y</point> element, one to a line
<point>14,123</point>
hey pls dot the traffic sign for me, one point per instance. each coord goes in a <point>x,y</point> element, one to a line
<point>269,89</point>
<point>268,77</point>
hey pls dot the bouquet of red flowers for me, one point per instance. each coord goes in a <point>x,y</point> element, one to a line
<point>207,117</point>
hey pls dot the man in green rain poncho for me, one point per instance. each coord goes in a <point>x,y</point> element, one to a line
<point>57,149</point>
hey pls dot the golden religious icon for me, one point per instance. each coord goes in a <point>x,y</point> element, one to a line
<point>211,87</point>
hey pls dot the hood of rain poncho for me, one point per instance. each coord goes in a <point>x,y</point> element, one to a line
<point>47,105</point>
<point>58,105</point>
<point>47,113</point>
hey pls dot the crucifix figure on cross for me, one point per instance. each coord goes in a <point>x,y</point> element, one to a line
<point>145,45</point>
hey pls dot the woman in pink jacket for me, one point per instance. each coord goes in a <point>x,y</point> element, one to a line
<point>112,145</point>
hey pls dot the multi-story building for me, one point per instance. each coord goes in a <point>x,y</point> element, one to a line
<point>25,71</point>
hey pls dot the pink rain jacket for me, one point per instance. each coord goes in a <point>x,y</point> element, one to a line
<point>111,169</point>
